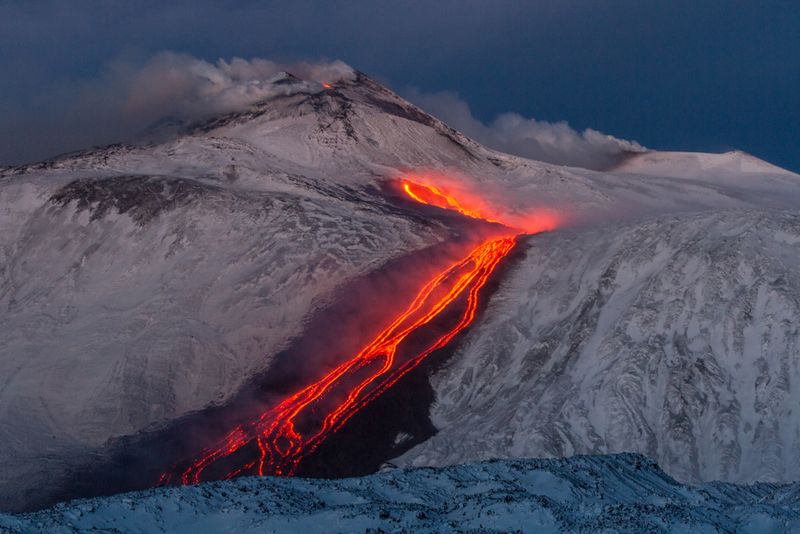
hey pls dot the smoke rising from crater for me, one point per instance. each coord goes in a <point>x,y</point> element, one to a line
<point>127,97</point>
<point>189,87</point>
<point>553,142</point>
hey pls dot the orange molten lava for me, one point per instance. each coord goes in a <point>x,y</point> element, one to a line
<point>278,440</point>
<point>475,206</point>
<point>432,195</point>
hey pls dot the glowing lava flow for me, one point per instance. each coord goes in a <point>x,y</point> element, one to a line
<point>277,441</point>
<point>432,195</point>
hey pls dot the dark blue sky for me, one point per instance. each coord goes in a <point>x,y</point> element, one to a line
<point>705,75</point>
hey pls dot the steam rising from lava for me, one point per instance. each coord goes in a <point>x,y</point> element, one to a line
<point>450,195</point>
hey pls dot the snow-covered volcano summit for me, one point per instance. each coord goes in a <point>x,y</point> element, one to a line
<point>142,283</point>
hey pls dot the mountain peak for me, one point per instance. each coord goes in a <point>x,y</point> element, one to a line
<point>695,164</point>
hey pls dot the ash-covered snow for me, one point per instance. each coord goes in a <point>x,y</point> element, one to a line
<point>618,493</point>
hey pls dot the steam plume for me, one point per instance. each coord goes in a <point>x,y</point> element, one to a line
<point>127,97</point>
<point>178,84</point>
<point>540,140</point>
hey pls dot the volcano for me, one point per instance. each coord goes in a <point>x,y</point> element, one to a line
<point>144,285</point>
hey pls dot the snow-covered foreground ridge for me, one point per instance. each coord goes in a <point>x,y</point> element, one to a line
<point>619,493</point>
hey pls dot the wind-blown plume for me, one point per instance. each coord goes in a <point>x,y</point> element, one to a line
<point>553,142</point>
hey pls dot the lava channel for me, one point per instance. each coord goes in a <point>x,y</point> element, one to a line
<point>433,196</point>
<point>280,438</point>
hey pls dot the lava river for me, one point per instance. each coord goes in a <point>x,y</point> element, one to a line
<point>281,437</point>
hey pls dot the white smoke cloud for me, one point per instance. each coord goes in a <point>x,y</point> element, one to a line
<point>128,97</point>
<point>553,142</point>
<point>178,84</point>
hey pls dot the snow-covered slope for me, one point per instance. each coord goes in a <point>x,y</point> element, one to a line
<point>677,338</point>
<point>698,165</point>
<point>621,493</point>
<point>130,300</point>
<point>138,284</point>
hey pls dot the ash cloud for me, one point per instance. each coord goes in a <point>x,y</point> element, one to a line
<point>182,85</point>
<point>553,142</point>
<point>128,97</point>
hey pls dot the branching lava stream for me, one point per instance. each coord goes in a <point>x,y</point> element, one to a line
<point>280,438</point>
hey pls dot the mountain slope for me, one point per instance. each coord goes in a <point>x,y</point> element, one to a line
<point>142,283</point>
<point>676,338</point>
<point>131,300</point>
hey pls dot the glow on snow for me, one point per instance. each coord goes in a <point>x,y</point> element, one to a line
<point>280,438</point>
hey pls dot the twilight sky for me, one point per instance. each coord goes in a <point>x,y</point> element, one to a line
<point>707,75</point>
